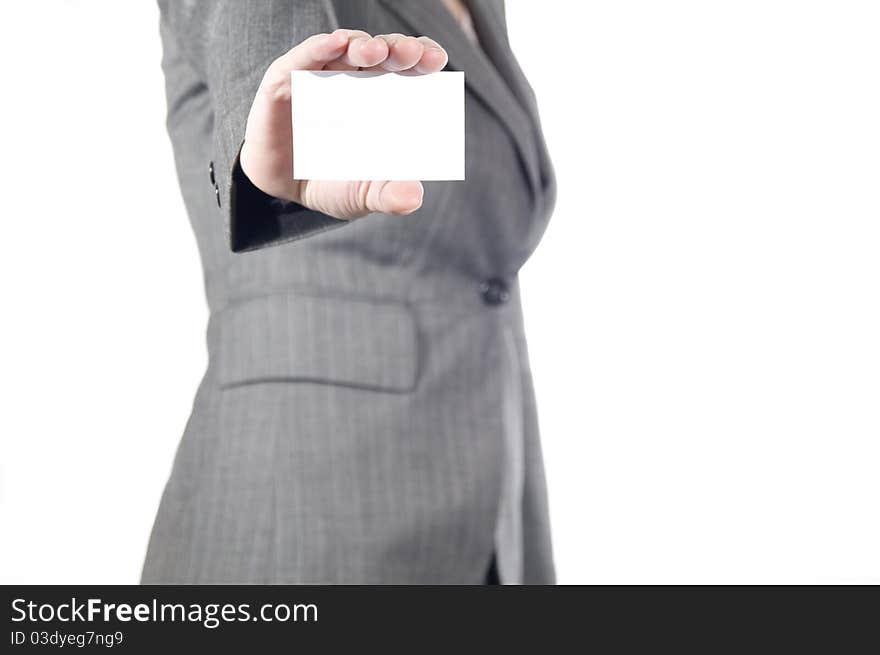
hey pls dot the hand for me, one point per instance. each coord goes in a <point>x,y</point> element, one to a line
<point>267,154</point>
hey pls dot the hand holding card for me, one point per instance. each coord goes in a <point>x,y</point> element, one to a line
<point>267,155</point>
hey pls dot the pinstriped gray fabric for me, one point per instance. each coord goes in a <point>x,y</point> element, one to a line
<point>365,417</point>
<point>269,333</point>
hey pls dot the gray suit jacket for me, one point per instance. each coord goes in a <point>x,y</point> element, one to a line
<point>367,415</point>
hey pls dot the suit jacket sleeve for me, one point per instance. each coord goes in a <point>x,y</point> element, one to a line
<point>231,44</point>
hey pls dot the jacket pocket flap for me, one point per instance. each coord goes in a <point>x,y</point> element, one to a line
<point>367,344</point>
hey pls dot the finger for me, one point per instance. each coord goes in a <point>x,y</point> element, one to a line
<point>365,51</point>
<point>311,54</point>
<point>404,52</point>
<point>341,63</point>
<point>434,57</point>
<point>314,52</point>
<point>393,197</point>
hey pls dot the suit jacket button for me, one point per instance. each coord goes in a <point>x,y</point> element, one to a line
<point>217,194</point>
<point>494,291</point>
<point>211,173</point>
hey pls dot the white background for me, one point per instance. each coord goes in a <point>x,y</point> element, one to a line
<point>703,312</point>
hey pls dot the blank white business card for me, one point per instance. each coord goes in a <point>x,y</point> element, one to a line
<point>361,125</point>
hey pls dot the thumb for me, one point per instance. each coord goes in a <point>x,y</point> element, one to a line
<point>392,197</point>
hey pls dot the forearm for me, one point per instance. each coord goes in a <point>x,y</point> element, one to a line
<point>231,45</point>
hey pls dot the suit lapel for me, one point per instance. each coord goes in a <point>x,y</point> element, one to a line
<point>431,18</point>
<point>488,17</point>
